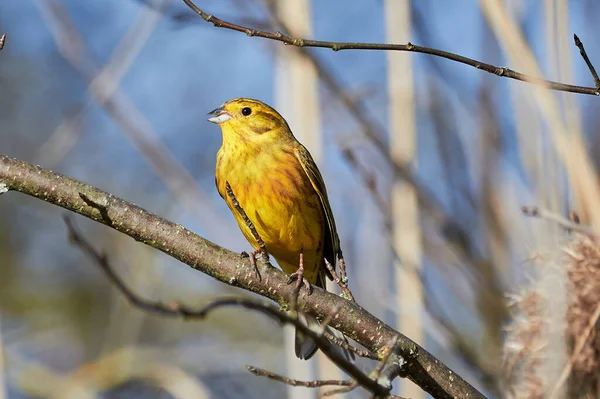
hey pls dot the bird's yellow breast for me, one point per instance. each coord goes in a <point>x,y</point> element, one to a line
<point>278,198</point>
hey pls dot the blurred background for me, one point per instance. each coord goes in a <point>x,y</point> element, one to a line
<point>427,163</point>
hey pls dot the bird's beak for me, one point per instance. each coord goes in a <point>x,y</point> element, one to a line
<point>219,115</point>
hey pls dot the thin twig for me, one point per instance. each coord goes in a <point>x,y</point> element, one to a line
<point>337,46</point>
<point>342,341</point>
<point>2,41</point>
<point>236,204</point>
<point>296,383</point>
<point>585,57</point>
<point>343,274</point>
<point>576,352</point>
<point>391,349</point>
<point>345,345</point>
<point>274,312</point>
<point>346,389</point>
<point>325,323</point>
<point>561,221</point>
<point>102,260</point>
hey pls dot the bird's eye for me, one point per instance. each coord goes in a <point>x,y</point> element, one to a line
<point>246,111</point>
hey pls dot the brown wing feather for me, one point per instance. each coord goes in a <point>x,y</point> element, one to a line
<point>332,241</point>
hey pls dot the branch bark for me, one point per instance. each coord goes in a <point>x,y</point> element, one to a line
<point>226,266</point>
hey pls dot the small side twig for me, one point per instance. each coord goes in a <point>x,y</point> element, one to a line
<point>345,345</point>
<point>342,280</point>
<point>297,383</point>
<point>100,207</point>
<point>561,221</point>
<point>346,389</point>
<point>585,57</point>
<point>343,274</point>
<point>246,219</point>
<point>102,260</point>
<point>2,40</point>
<point>380,366</point>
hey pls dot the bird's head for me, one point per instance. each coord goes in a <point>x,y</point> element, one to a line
<point>250,120</point>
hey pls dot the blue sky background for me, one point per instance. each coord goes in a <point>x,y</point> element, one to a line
<point>188,68</point>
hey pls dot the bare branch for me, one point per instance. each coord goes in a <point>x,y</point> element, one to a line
<point>585,57</point>
<point>345,345</point>
<point>340,390</point>
<point>297,383</point>
<point>561,221</point>
<point>338,46</point>
<point>386,358</point>
<point>2,41</point>
<point>226,266</point>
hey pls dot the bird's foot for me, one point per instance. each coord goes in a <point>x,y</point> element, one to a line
<point>298,275</point>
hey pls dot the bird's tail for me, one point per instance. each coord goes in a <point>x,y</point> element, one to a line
<point>305,346</point>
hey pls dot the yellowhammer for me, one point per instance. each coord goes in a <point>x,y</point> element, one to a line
<point>279,186</point>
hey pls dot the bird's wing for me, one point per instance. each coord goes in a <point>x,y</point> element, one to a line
<point>332,241</point>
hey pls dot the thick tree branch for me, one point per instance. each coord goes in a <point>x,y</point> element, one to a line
<point>226,266</point>
<point>337,46</point>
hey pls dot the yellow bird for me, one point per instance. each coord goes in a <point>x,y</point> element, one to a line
<point>279,186</point>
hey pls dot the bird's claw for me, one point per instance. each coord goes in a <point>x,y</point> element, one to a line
<point>300,281</point>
